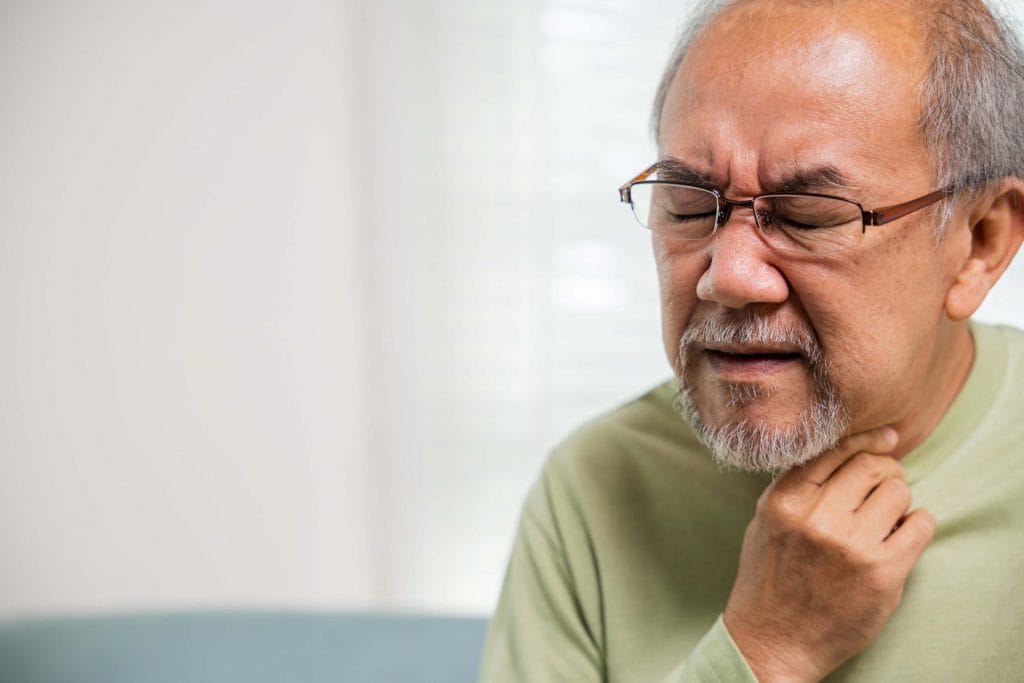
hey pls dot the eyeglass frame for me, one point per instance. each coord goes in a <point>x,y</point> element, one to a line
<point>874,218</point>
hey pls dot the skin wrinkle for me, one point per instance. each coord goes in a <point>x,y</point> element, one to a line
<point>791,177</point>
<point>879,372</point>
<point>852,111</point>
<point>972,113</point>
<point>879,320</point>
<point>751,445</point>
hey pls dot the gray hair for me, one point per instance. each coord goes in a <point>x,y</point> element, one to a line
<point>972,97</point>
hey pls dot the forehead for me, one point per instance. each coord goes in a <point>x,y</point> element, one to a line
<point>786,82</point>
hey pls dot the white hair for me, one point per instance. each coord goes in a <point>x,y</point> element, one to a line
<point>972,96</point>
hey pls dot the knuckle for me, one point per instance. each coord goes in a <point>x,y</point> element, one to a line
<point>855,558</point>
<point>763,504</point>
<point>882,578</point>
<point>928,520</point>
<point>870,466</point>
<point>818,525</point>
<point>823,530</point>
<point>781,512</point>
<point>897,491</point>
<point>925,528</point>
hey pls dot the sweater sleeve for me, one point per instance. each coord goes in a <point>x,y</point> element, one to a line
<point>716,659</point>
<point>547,625</point>
<point>539,631</point>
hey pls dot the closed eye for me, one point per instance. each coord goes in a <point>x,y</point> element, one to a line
<point>686,217</point>
<point>788,222</point>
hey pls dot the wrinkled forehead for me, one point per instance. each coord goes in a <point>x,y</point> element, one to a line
<point>807,72</point>
<point>828,43</point>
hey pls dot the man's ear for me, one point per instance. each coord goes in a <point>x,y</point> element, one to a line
<point>997,228</point>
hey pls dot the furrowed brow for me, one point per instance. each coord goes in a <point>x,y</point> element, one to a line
<point>816,179</point>
<point>675,170</point>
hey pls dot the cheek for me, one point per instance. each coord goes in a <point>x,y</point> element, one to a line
<point>678,272</point>
<point>876,320</point>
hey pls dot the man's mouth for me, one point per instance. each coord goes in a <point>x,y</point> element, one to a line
<point>738,363</point>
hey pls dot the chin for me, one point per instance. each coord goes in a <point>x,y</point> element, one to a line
<point>758,393</point>
<point>762,429</point>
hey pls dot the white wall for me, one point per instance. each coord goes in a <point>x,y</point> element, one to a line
<point>296,296</point>
<point>182,287</point>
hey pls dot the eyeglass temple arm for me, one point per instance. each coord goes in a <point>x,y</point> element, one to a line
<point>891,213</point>
<point>624,190</point>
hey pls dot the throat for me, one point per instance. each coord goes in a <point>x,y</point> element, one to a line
<point>950,369</point>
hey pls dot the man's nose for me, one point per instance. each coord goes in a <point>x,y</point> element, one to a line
<point>741,271</point>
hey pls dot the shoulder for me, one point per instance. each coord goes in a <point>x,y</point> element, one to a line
<point>641,459</point>
<point>1000,347</point>
<point>639,434</point>
<point>999,381</point>
<point>988,333</point>
<point>1013,338</point>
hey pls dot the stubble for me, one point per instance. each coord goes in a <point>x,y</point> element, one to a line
<point>758,446</point>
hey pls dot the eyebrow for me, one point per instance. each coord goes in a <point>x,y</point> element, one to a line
<point>807,179</point>
<point>815,178</point>
<point>675,170</point>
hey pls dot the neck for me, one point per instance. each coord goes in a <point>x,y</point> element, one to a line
<point>949,367</point>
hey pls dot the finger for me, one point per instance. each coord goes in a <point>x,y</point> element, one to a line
<point>850,486</point>
<point>883,510</point>
<point>817,471</point>
<point>906,544</point>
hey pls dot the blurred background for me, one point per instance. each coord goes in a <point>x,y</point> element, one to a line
<point>296,297</point>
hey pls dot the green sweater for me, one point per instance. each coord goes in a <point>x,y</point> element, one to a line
<point>628,546</point>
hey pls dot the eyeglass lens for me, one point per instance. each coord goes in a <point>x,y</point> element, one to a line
<point>794,221</point>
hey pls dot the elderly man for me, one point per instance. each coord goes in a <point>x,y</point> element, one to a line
<point>839,186</point>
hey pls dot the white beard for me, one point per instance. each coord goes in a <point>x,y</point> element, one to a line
<point>759,447</point>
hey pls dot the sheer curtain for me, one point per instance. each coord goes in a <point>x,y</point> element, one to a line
<point>298,297</point>
<point>514,295</point>
<point>516,298</point>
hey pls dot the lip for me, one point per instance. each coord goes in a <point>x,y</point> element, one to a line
<point>747,363</point>
<point>754,349</point>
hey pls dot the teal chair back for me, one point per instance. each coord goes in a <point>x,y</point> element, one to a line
<point>225,647</point>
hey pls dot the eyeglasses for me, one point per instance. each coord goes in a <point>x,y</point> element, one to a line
<point>806,222</point>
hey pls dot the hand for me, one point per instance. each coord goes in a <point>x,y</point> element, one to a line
<point>824,560</point>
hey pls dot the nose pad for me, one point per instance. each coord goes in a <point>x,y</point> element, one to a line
<point>724,212</point>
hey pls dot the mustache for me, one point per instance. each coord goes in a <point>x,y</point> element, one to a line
<point>726,329</point>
